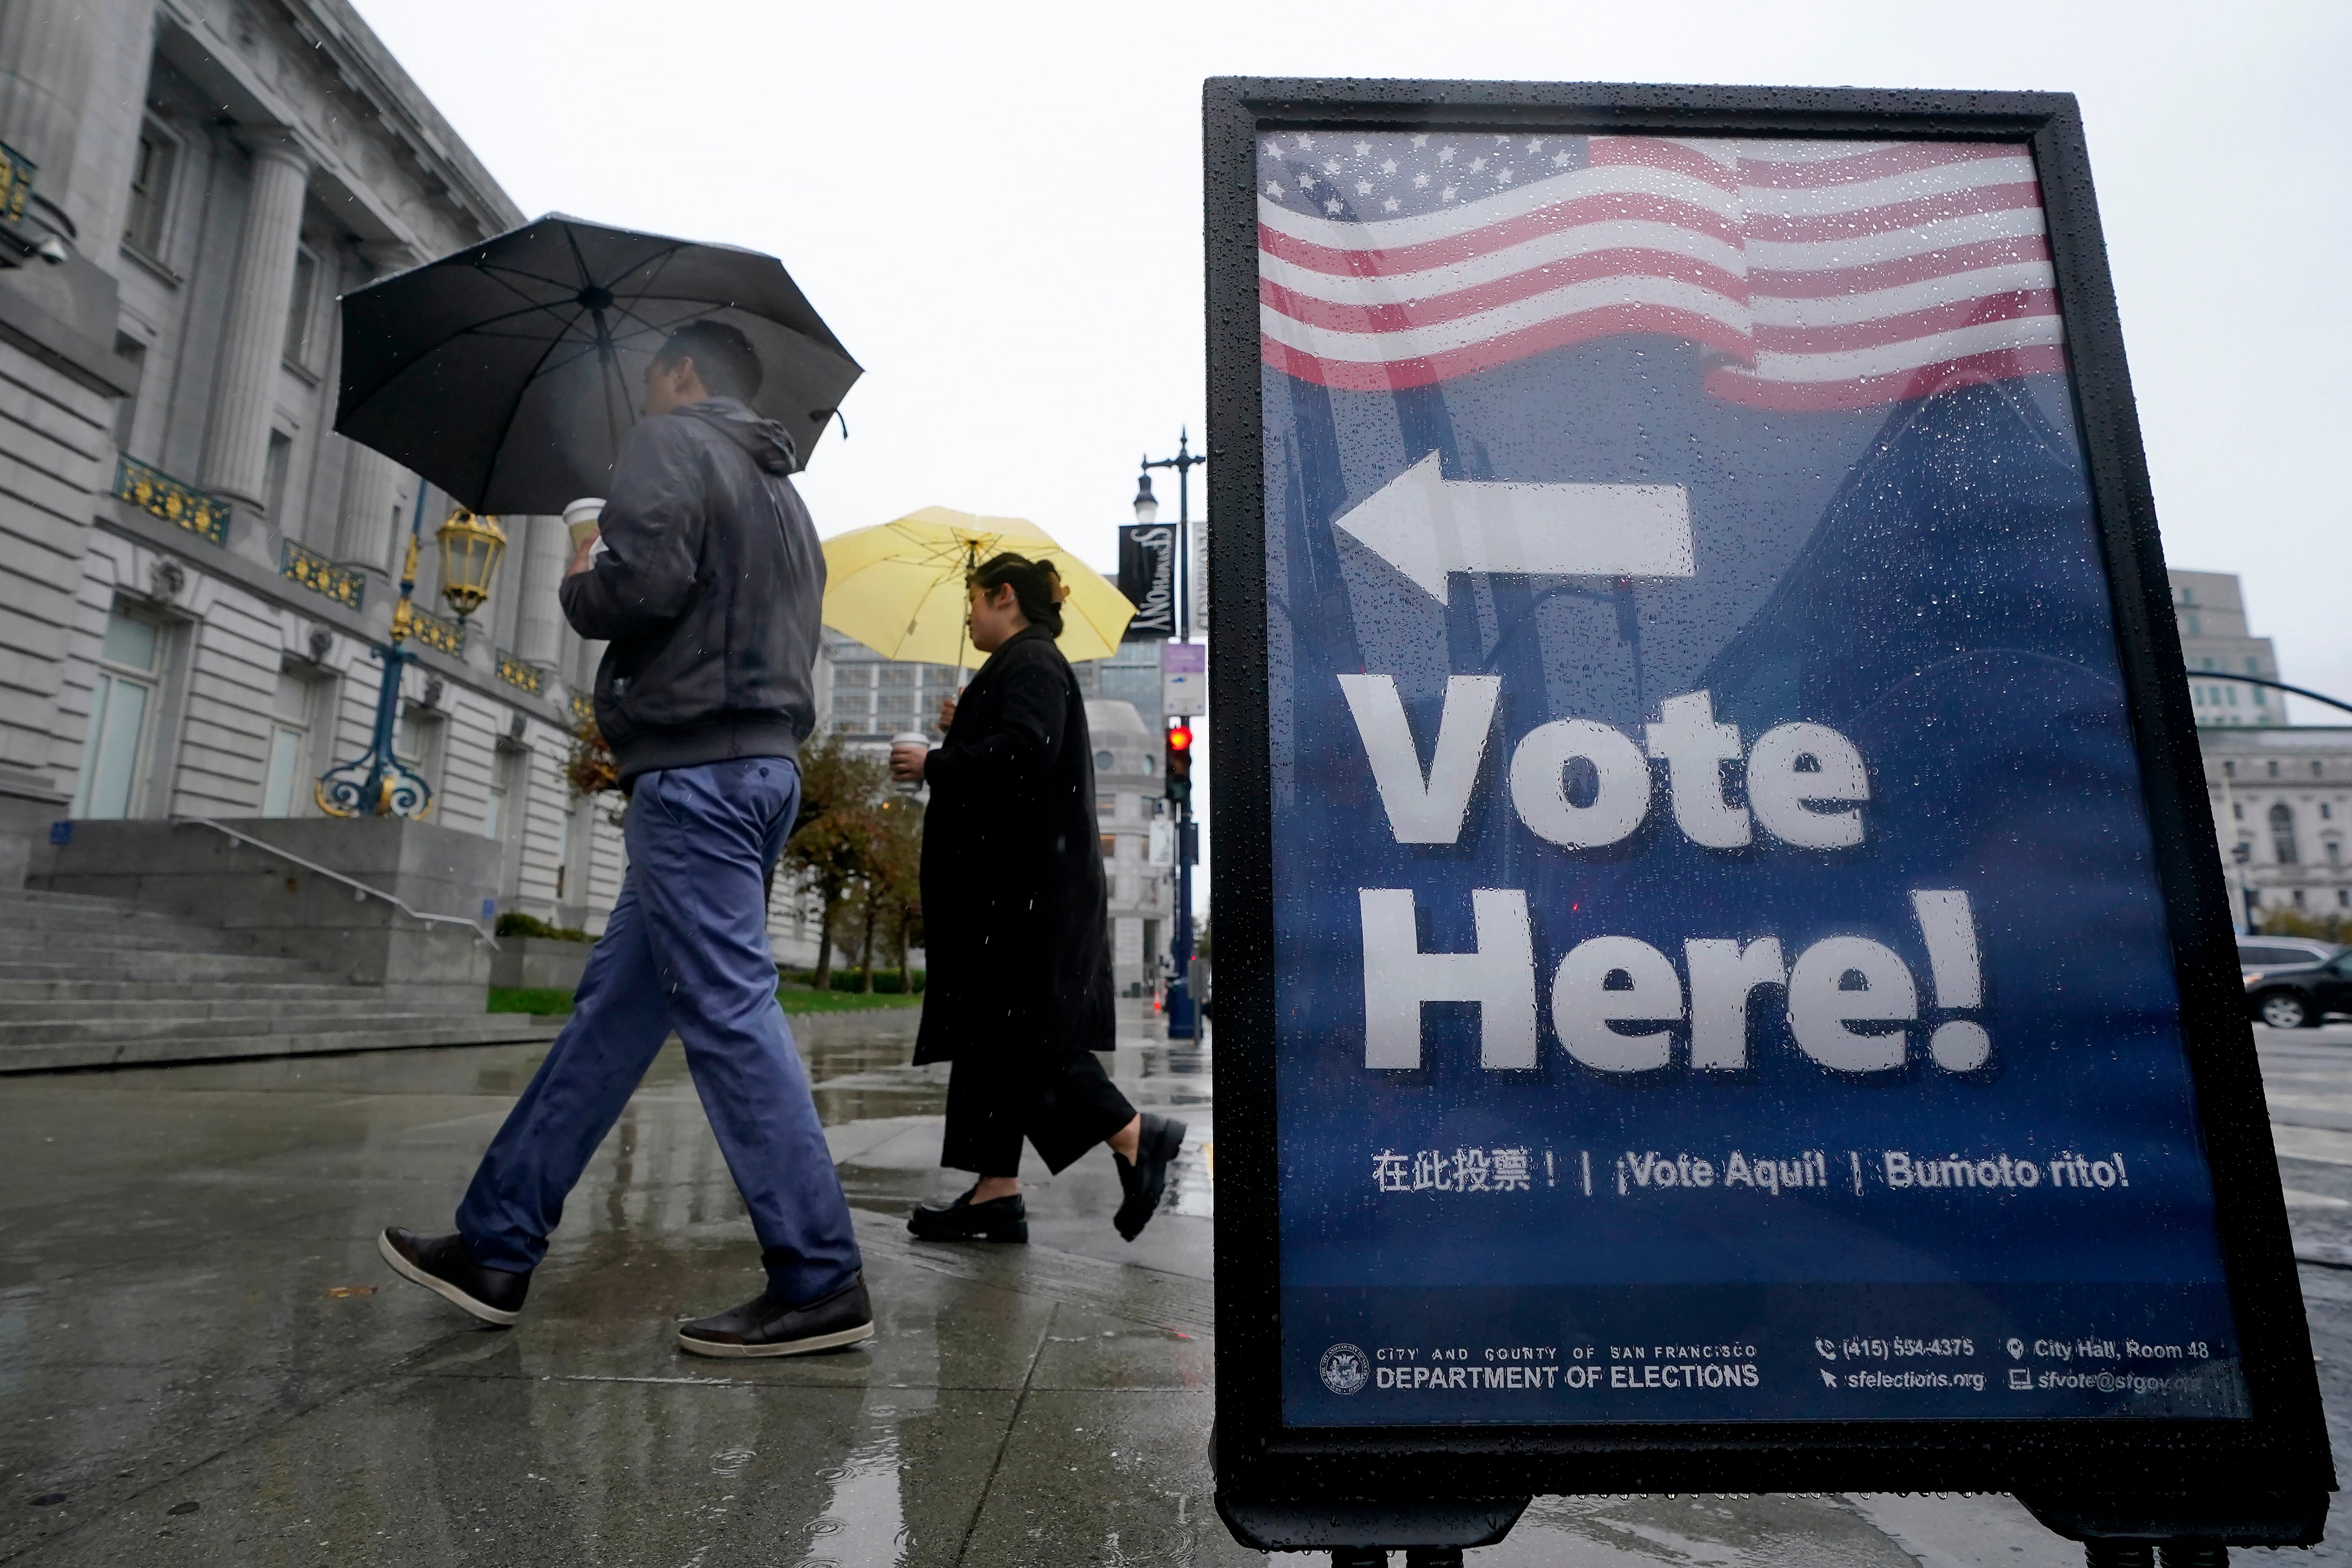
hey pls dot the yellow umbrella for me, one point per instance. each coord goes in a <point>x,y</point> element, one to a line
<point>898,587</point>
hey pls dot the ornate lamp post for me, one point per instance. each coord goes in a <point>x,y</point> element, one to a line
<point>377,782</point>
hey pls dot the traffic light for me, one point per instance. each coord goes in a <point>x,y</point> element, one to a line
<point>1178,773</point>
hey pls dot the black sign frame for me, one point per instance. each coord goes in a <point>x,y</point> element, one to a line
<point>2261,1480</point>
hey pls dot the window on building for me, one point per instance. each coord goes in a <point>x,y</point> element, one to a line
<point>122,710</point>
<point>2273,768</point>
<point>289,746</point>
<point>134,352</point>
<point>2316,773</point>
<point>2238,811</point>
<point>2194,630</point>
<point>2298,897</point>
<point>2335,852</point>
<point>2344,898</point>
<point>303,307</point>
<point>417,741</point>
<point>153,172</point>
<point>273,475</point>
<point>564,856</point>
<point>2283,834</point>
<point>2325,815</point>
<point>2253,666</point>
<point>2228,770</point>
<point>494,804</point>
<point>1109,846</point>
<point>1107,805</point>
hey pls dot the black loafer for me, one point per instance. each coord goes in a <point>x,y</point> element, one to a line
<point>443,1266</point>
<point>764,1326</point>
<point>1147,1178</point>
<point>999,1219</point>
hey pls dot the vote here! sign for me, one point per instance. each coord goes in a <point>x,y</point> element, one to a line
<point>1720,966</point>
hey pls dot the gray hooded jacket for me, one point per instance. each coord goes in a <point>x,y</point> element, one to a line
<point>708,588</point>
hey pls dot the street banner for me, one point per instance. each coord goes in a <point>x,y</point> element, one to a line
<point>1147,577</point>
<point>1736,870</point>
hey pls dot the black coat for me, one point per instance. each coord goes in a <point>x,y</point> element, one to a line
<point>1016,913</point>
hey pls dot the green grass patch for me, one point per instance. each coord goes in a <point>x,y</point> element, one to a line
<point>552,1001</point>
<point>540,999</point>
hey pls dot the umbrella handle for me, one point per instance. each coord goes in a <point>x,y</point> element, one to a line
<point>963,630</point>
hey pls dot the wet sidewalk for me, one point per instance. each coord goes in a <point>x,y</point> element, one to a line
<point>203,1361</point>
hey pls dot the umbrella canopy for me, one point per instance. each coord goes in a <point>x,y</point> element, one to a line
<point>508,373</point>
<point>898,587</point>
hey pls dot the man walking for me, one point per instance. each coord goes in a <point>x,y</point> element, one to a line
<point>708,585</point>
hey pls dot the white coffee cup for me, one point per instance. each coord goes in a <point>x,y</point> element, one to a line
<point>581,516</point>
<point>910,738</point>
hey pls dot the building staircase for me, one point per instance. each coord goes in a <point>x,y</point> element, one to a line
<point>90,982</point>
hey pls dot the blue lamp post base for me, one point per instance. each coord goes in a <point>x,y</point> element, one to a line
<point>377,782</point>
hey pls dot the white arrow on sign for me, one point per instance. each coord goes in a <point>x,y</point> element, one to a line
<point>1428,526</point>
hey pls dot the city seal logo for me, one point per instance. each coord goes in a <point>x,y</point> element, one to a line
<point>1344,1368</point>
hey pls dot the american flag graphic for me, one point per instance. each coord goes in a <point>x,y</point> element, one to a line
<point>1823,275</point>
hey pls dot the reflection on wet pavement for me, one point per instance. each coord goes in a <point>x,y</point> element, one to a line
<point>203,1362</point>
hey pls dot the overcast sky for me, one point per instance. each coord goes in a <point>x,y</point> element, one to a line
<point>997,207</point>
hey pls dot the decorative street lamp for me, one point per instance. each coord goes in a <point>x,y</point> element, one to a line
<point>471,548</point>
<point>1184,1013</point>
<point>376,783</point>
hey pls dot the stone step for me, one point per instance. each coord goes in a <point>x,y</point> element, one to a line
<point>354,1002</point>
<point>157,966</point>
<point>18,993</point>
<point>29,945</point>
<point>241,1019</point>
<point>382,1034</point>
<point>21,919</point>
<point>37,898</point>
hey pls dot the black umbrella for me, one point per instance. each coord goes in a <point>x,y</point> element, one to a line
<point>508,373</point>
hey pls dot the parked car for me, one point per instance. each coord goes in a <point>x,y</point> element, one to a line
<point>2300,996</point>
<point>2279,951</point>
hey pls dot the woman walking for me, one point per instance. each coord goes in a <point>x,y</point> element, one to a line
<point>1015,912</point>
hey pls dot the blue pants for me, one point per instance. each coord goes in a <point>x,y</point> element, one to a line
<point>685,949</point>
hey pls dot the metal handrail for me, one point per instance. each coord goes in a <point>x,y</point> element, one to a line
<point>360,888</point>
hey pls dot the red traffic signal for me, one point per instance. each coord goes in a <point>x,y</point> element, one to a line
<point>1178,771</point>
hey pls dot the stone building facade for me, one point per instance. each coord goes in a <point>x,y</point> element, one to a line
<point>2285,795</point>
<point>2216,643</point>
<point>1131,810</point>
<point>196,571</point>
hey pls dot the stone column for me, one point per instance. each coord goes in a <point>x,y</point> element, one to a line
<point>369,516</point>
<point>539,618</point>
<point>592,654</point>
<point>47,48</point>
<point>252,338</point>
